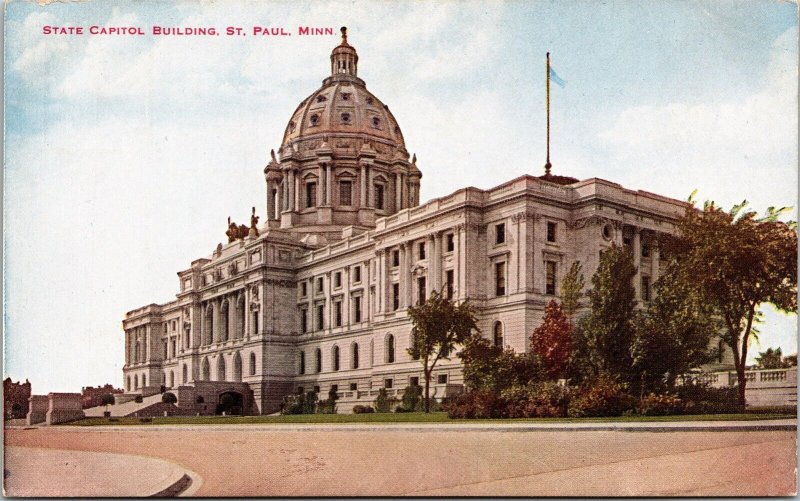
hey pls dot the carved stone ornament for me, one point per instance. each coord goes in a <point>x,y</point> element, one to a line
<point>217,274</point>
<point>233,269</point>
<point>254,293</point>
<point>418,270</point>
<point>521,217</point>
<point>595,220</point>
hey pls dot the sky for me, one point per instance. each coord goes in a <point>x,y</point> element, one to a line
<point>124,155</point>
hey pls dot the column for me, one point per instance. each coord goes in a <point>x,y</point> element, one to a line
<point>462,262</point>
<point>637,261</point>
<point>437,258</point>
<point>404,265</point>
<point>321,186</point>
<point>381,278</point>
<point>362,200</point>
<point>292,191</point>
<point>127,347</point>
<point>346,296</point>
<point>284,194</point>
<point>270,202</point>
<point>456,260</point>
<point>405,274</point>
<point>328,306</point>
<point>398,199</point>
<point>215,315</point>
<point>655,256</point>
<point>298,192</point>
<point>328,181</point>
<point>246,325</point>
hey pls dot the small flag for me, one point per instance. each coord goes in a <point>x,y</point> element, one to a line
<point>556,79</point>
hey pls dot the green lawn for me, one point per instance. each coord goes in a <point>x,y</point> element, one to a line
<point>411,417</point>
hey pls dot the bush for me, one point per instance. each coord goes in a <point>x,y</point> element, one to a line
<point>138,399</point>
<point>476,405</point>
<point>310,403</point>
<point>545,399</point>
<point>600,398</point>
<point>699,398</point>
<point>363,409</point>
<point>399,409</point>
<point>384,403</point>
<point>412,398</point>
<point>169,398</point>
<point>660,405</point>
<point>293,404</point>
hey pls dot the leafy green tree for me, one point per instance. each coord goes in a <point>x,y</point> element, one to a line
<point>107,399</point>
<point>603,338</point>
<point>169,398</point>
<point>490,368</point>
<point>772,359</point>
<point>439,326</point>
<point>572,289</point>
<point>551,341</point>
<point>738,261</point>
<point>412,396</point>
<point>790,360</point>
<point>674,334</point>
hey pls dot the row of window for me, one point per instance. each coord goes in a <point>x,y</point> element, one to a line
<point>345,194</point>
<point>356,312</point>
<point>500,232</point>
<point>337,281</point>
<point>388,383</point>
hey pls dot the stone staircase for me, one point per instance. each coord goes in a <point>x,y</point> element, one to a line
<point>126,409</point>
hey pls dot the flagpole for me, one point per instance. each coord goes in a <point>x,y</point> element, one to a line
<point>547,77</point>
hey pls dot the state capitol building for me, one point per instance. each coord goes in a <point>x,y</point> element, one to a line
<point>315,296</point>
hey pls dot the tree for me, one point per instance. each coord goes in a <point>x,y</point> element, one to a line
<point>772,359</point>
<point>572,289</point>
<point>439,325</point>
<point>738,261</point>
<point>107,399</point>
<point>489,368</point>
<point>604,337</point>
<point>551,341</point>
<point>674,333</point>
<point>169,398</point>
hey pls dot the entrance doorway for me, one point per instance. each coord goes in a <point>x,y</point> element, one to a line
<point>231,403</point>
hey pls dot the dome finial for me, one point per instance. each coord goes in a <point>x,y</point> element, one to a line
<point>344,35</point>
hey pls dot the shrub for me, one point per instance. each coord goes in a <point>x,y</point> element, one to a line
<point>384,403</point>
<point>476,405</point>
<point>699,398</point>
<point>293,404</point>
<point>310,403</point>
<point>169,398</point>
<point>400,409</point>
<point>412,398</point>
<point>138,399</point>
<point>545,399</point>
<point>362,409</point>
<point>604,396</point>
<point>660,405</point>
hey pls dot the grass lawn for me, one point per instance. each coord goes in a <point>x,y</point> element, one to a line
<point>411,417</point>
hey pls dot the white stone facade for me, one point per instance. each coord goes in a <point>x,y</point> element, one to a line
<point>346,249</point>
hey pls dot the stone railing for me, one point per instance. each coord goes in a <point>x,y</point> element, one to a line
<point>765,387</point>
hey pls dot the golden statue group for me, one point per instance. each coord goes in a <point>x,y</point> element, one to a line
<point>239,232</point>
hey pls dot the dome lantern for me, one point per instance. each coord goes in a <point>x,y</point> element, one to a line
<point>344,59</point>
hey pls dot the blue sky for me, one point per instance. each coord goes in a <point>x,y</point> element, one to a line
<point>125,155</point>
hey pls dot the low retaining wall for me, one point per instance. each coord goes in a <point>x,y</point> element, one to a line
<point>37,410</point>
<point>64,407</point>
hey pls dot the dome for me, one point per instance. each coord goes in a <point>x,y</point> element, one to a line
<point>344,108</point>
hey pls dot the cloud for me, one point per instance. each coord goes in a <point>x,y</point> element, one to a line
<point>679,146</point>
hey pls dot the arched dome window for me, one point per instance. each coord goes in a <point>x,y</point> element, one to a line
<point>376,122</point>
<point>313,119</point>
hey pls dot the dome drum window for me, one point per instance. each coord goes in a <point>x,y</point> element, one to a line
<point>313,120</point>
<point>376,122</point>
<point>345,118</point>
<point>291,126</point>
<point>345,96</point>
<point>321,99</point>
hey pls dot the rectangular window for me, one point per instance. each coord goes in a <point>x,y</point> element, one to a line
<point>379,203</point>
<point>334,388</point>
<point>316,389</point>
<point>645,289</point>
<point>303,288</point>
<point>357,308</point>
<point>300,390</point>
<point>304,320</point>
<point>413,381</point>
<point>422,250</point>
<point>173,347</point>
<point>320,284</point>
<point>320,317</point>
<point>550,284</point>
<point>500,279</point>
<point>395,296</point>
<point>451,242</point>
<point>387,383</point>
<point>337,313</point>
<point>551,231</point>
<point>450,281</point>
<point>441,379</point>
<point>353,386</point>
<point>166,353</point>
<point>395,258</point>
<point>337,279</point>
<point>645,248</point>
<point>311,194</point>
<point>422,293</point>
<point>357,274</point>
<point>345,193</point>
<point>500,233</point>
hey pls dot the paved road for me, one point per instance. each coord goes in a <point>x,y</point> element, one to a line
<point>275,461</point>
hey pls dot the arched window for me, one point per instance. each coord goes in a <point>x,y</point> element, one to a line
<point>240,312</point>
<point>319,360</point>
<point>237,367</point>
<point>144,380</point>
<point>136,352</point>
<point>224,317</point>
<point>252,364</point>
<point>128,384</point>
<point>206,376</point>
<point>171,379</point>
<point>185,373</point>
<point>413,341</point>
<point>136,382</point>
<point>335,357</point>
<point>371,352</point>
<point>354,356</point>
<point>389,359</point>
<point>254,321</point>
<point>221,368</point>
<point>302,362</point>
<point>498,334</point>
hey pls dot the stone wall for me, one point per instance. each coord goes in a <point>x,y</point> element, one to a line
<point>63,408</point>
<point>37,411</point>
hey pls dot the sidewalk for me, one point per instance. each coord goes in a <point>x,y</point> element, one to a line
<point>34,472</point>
